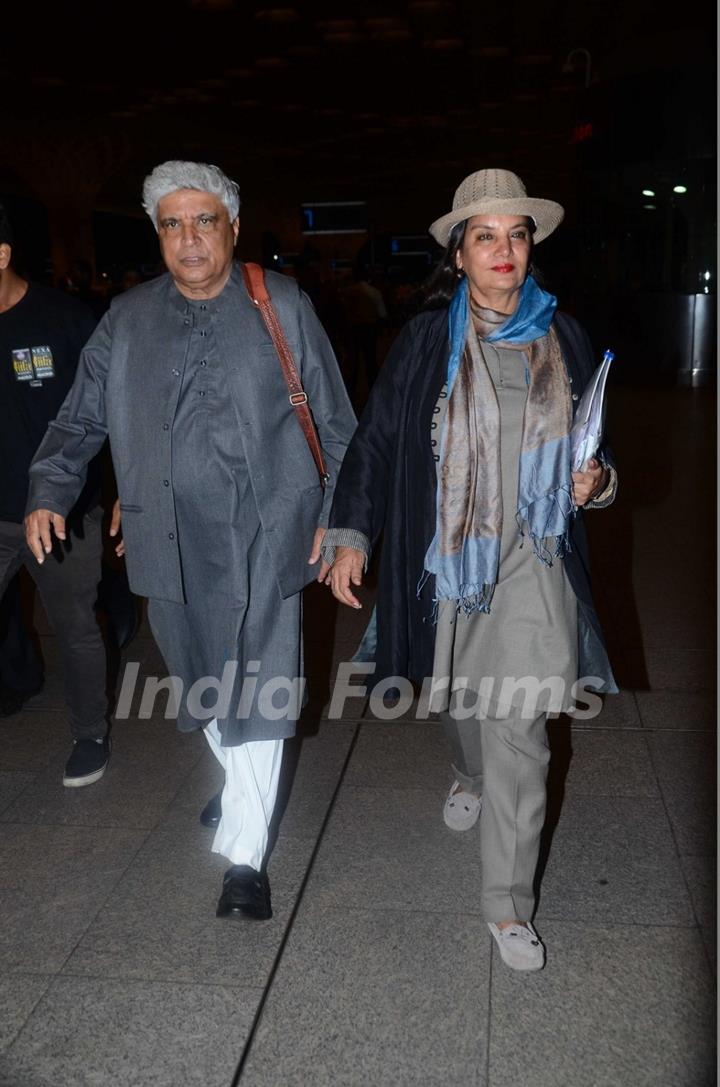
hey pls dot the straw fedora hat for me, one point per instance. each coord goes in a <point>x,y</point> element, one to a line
<point>502,193</point>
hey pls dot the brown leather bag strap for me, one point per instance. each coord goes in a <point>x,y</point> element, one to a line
<point>255,282</point>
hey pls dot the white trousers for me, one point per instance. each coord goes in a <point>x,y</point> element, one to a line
<point>252,773</point>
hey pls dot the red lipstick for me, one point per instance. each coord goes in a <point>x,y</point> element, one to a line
<point>503,267</point>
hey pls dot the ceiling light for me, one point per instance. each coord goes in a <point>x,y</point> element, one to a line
<point>277,15</point>
<point>649,207</point>
<point>211,5</point>
<point>271,62</point>
<point>492,52</point>
<point>343,37</point>
<point>443,44</point>
<point>648,192</point>
<point>336,26</point>
<point>679,188</point>
<point>427,7</point>
<point>382,23</point>
<point>395,34</point>
<point>534,58</point>
<point>304,49</point>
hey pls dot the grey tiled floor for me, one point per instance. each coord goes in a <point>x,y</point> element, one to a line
<point>377,967</point>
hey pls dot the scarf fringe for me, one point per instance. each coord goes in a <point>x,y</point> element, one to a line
<point>546,556</point>
<point>473,598</point>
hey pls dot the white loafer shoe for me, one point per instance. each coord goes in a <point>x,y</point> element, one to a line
<point>519,946</point>
<point>461,809</point>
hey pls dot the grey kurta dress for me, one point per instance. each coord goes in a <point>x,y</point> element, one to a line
<point>531,629</point>
<point>235,612</point>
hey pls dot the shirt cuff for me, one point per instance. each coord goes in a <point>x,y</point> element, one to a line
<point>608,495</point>
<point>344,537</point>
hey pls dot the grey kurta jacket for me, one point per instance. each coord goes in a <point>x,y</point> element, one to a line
<point>127,386</point>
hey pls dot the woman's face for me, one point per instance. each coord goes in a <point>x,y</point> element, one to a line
<point>494,255</point>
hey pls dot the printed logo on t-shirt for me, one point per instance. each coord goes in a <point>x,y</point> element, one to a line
<point>33,364</point>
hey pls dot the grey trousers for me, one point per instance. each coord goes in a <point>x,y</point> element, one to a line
<point>506,761</point>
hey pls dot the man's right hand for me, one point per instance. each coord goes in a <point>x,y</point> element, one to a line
<point>39,526</point>
<point>347,570</point>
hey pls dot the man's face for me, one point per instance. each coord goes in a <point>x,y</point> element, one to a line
<point>196,241</point>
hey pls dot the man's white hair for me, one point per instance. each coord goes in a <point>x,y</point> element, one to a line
<point>170,176</point>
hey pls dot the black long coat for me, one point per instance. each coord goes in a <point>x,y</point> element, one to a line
<point>388,484</point>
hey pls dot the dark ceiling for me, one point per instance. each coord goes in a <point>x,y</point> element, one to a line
<point>318,99</point>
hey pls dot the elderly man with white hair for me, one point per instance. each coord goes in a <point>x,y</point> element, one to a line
<point>221,500</point>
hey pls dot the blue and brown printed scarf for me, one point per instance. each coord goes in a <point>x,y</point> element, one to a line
<point>464,554</point>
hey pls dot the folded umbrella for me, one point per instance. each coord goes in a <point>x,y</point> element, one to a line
<point>587,429</point>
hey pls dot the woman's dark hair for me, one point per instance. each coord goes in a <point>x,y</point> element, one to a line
<point>440,287</point>
<point>6,234</point>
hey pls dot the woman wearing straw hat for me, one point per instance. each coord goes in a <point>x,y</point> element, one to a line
<point>462,460</point>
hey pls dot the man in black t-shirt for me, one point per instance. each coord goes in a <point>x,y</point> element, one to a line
<point>42,332</point>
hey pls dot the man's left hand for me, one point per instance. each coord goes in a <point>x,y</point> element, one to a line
<point>315,553</point>
<point>115,527</point>
<point>586,484</point>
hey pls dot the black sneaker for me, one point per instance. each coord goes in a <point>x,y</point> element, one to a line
<point>87,762</point>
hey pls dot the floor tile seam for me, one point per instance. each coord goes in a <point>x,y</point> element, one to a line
<point>6,807</point>
<point>574,726</point>
<point>182,783</point>
<point>578,791</point>
<point>696,688</point>
<point>370,911</point>
<point>69,975</point>
<point>663,800</point>
<point>489,1016</point>
<point>570,791</point>
<point>345,719</point>
<point>6,1048</point>
<point>60,709</point>
<point>289,925</point>
<point>78,826</point>
<point>469,914</point>
<point>643,729</point>
<point>427,790</point>
<point>102,902</point>
<point>667,926</point>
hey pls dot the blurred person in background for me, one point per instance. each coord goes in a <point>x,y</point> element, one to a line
<point>42,333</point>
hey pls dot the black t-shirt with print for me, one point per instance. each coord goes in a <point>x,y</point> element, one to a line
<point>41,338</point>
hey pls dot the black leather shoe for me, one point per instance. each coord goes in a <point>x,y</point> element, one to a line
<point>245,893</point>
<point>210,815</point>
